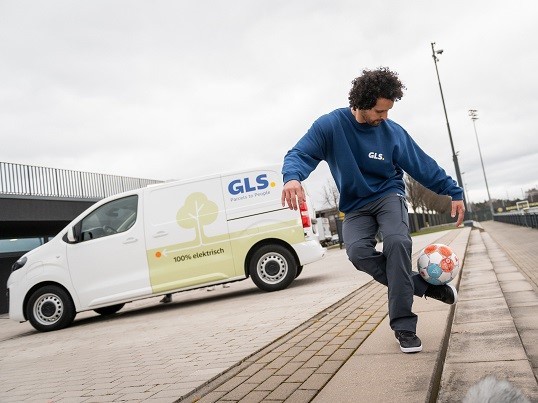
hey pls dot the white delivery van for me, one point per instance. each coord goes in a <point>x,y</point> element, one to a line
<point>163,239</point>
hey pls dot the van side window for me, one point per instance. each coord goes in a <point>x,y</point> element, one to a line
<point>109,219</point>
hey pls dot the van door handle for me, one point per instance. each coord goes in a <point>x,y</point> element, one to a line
<point>130,240</point>
<point>160,234</point>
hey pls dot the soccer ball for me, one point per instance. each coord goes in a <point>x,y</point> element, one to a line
<point>438,264</point>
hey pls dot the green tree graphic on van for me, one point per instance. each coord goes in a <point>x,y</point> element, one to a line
<point>197,212</point>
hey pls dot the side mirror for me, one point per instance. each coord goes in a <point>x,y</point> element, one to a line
<point>71,235</point>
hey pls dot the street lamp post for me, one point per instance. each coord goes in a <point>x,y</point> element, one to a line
<point>466,190</point>
<point>473,113</point>
<point>454,154</point>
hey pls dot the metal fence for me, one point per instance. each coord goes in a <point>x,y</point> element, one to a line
<point>28,180</point>
<point>523,219</point>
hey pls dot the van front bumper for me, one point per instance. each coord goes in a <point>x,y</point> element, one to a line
<point>16,296</point>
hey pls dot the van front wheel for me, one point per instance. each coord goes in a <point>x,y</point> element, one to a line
<point>50,308</point>
<point>272,268</point>
<point>299,271</point>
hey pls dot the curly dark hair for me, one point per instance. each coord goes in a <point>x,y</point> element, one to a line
<point>374,84</point>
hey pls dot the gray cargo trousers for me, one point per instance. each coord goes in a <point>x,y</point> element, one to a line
<point>392,267</point>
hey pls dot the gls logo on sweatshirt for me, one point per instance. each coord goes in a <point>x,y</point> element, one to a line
<point>375,156</point>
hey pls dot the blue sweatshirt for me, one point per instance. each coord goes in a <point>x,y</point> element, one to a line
<point>367,162</point>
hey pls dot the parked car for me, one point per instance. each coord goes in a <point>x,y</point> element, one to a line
<point>335,239</point>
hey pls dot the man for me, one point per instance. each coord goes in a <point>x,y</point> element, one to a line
<point>367,154</point>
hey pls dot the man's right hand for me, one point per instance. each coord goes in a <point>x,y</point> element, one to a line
<point>293,194</point>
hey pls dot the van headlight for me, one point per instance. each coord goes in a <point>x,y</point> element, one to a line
<point>18,264</point>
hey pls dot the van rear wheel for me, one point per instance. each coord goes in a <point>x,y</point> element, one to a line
<point>272,268</point>
<point>50,308</point>
<point>109,310</point>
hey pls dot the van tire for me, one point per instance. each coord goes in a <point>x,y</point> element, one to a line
<point>109,310</point>
<point>299,271</point>
<point>272,268</point>
<point>50,308</point>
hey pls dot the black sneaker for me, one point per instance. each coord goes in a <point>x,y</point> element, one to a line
<point>409,341</point>
<point>445,293</point>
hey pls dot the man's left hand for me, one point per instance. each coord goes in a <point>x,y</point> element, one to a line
<point>459,208</point>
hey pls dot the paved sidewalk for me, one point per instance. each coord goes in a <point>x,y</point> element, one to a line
<point>348,353</point>
<point>158,353</point>
<point>316,356</point>
<point>326,339</point>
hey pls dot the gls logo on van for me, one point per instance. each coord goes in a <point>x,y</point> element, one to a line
<point>375,156</point>
<point>238,186</point>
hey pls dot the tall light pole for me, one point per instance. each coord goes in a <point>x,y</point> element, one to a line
<point>473,113</point>
<point>465,188</point>
<point>454,154</point>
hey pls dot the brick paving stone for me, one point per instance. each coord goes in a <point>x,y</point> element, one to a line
<point>347,332</point>
<point>279,362</point>
<point>293,351</point>
<point>301,375</point>
<point>72,400</point>
<point>255,396</point>
<point>307,341</point>
<point>326,337</point>
<point>232,383</point>
<point>261,376</point>
<point>328,349</point>
<point>289,369</point>
<point>316,361</point>
<point>252,369</point>
<point>110,398</point>
<point>212,397</point>
<point>339,340</point>
<point>272,382</point>
<point>369,326</point>
<point>355,340</point>
<point>304,355</point>
<point>317,345</point>
<point>356,325</point>
<point>329,367</point>
<point>239,392</point>
<point>342,354</point>
<point>283,391</point>
<point>316,382</point>
<point>137,397</point>
<point>302,396</point>
<point>269,357</point>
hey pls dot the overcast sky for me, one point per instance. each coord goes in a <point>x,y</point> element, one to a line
<point>173,89</point>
